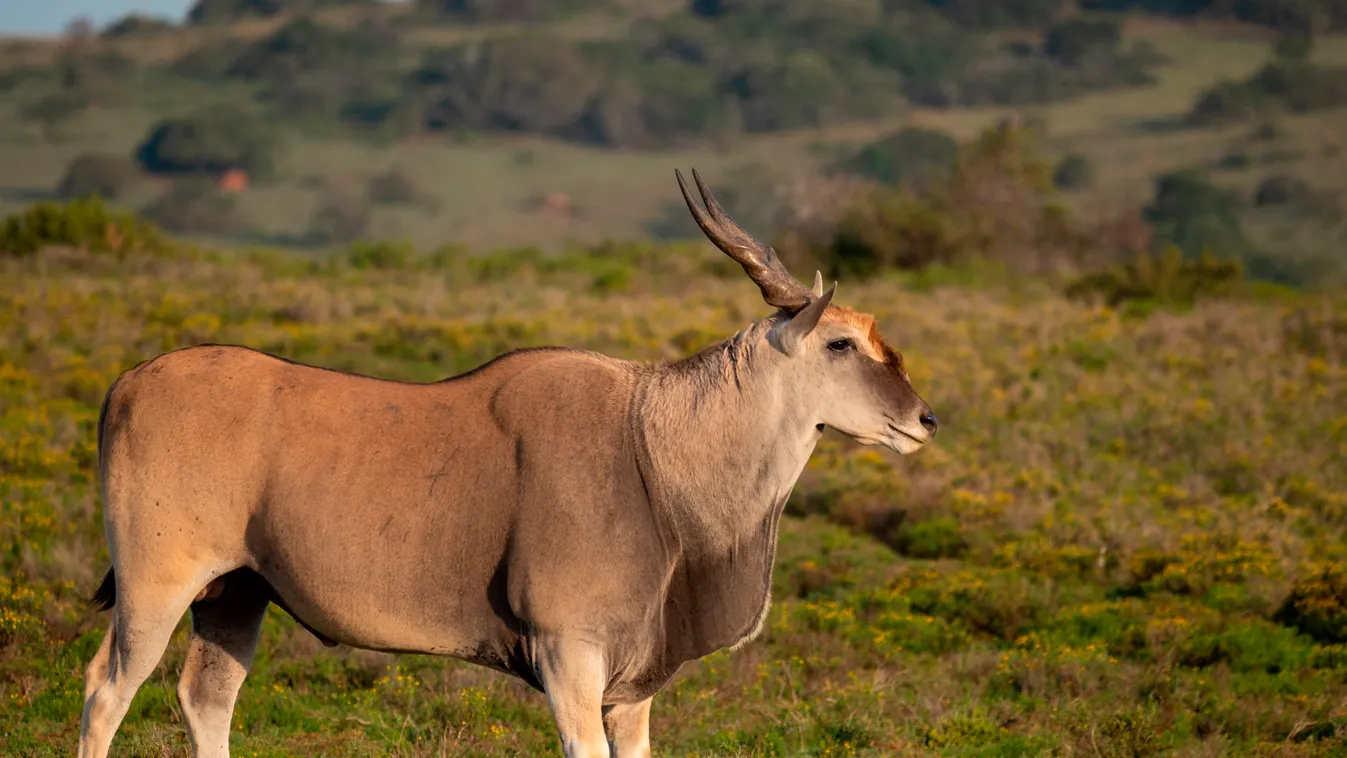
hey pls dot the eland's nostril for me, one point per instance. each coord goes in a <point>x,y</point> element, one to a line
<point>928,422</point>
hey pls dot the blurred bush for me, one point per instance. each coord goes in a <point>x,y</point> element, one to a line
<point>1190,212</point>
<point>136,25</point>
<point>383,255</point>
<point>996,201</point>
<point>1073,172</point>
<point>1071,42</point>
<point>1168,277</point>
<point>909,154</point>
<point>535,83</point>
<point>1281,189</point>
<point>1289,82</point>
<point>507,11</point>
<point>392,187</point>
<point>340,218</point>
<point>105,175</point>
<point>195,206</point>
<point>1291,16</point>
<point>1317,604</point>
<point>224,11</point>
<point>83,223</point>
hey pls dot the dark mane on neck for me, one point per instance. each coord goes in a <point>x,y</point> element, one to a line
<point>725,364</point>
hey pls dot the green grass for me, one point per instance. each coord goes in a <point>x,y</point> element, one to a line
<point>1089,560</point>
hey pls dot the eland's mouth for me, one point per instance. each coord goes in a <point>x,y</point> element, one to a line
<point>903,442</point>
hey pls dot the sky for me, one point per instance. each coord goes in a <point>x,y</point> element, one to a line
<point>46,17</point>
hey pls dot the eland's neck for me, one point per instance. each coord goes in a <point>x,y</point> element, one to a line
<point>725,436</point>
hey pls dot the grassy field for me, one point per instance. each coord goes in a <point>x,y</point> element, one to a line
<point>483,191</point>
<point>1127,540</point>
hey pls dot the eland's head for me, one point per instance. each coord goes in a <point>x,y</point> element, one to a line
<point>842,372</point>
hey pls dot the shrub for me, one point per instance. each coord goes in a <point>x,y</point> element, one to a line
<point>719,8</point>
<point>392,187</point>
<point>222,11</point>
<point>1253,645</point>
<point>1192,213</point>
<point>995,202</point>
<point>136,25</point>
<point>910,153</point>
<point>194,206</point>
<point>999,604</point>
<point>1075,171</point>
<point>886,228</point>
<point>999,13</point>
<point>341,218</point>
<point>1224,102</point>
<point>1301,87</point>
<point>1234,160</point>
<point>1289,84</point>
<point>1131,733</point>
<point>84,223</point>
<point>304,47</point>
<point>1293,47</point>
<point>217,11</point>
<point>799,90</point>
<point>103,175</point>
<point>505,11</point>
<point>535,83</point>
<point>934,538</point>
<point>384,255</point>
<point>1281,189</point>
<point>1071,42</point>
<point>211,142</point>
<point>1291,16</point>
<point>1317,604</point>
<point>1166,278</point>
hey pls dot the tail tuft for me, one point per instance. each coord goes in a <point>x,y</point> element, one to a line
<point>106,595</point>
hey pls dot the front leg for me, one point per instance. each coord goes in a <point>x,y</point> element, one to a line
<point>628,728</point>
<point>574,676</point>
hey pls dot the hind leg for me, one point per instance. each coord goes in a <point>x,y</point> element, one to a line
<point>97,671</point>
<point>224,636</point>
<point>141,626</point>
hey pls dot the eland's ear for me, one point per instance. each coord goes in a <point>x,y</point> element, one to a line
<point>818,284</point>
<point>791,334</point>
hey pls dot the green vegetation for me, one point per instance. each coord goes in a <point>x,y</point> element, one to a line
<point>1289,82</point>
<point>85,224</point>
<point>1293,16</point>
<point>1110,246</point>
<point>501,116</point>
<point>996,200</point>
<point>908,155</point>
<point>1126,541</point>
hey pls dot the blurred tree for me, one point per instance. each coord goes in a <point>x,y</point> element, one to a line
<point>136,25</point>
<point>1072,41</point>
<point>224,11</point>
<point>537,83</point>
<point>910,153</point>
<point>210,141</point>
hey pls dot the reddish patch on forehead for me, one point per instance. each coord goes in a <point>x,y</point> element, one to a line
<point>865,324</point>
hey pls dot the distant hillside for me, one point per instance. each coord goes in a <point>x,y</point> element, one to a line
<point>315,122</point>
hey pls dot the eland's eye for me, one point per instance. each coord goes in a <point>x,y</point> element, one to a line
<point>841,346</point>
